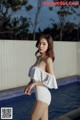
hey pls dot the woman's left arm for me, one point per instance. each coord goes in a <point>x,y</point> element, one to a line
<point>49,66</point>
<point>50,70</point>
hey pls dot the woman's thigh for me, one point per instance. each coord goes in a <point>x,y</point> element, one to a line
<point>45,115</point>
<point>38,110</point>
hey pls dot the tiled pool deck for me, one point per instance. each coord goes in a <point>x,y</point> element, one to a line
<point>7,94</point>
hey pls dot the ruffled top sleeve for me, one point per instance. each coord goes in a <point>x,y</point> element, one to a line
<point>39,75</point>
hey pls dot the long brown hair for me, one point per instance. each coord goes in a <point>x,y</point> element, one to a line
<point>49,52</point>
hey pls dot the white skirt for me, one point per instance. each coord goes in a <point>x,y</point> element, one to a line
<point>43,94</point>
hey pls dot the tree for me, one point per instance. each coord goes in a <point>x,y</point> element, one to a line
<point>39,6</point>
<point>62,16</point>
<point>9,25</point>
<point>63,12</point>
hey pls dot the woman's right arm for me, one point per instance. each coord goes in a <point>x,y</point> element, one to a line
<point>32,85</point>
<point>27,89</point>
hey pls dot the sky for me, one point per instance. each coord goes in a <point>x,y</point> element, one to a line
<point>45,15</point>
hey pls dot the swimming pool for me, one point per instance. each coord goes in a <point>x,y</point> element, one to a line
<point>64,99</point>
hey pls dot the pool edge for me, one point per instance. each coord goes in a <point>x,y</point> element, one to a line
<point>14,92</point>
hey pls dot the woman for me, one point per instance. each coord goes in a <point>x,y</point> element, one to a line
<point>42,78</point>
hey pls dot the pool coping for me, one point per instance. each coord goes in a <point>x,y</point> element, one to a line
<point>68,80</point>
<point>15,92</point>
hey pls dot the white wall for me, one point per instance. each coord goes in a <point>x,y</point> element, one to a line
<point>15,60</point>
<point>65,59</point>
<point>78,58</point>
<point>16,57</point>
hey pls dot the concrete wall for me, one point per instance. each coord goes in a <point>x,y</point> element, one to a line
<point>16,57</point>
<point>65,59</point>
<point>15,60</point>
<point>78,58</point>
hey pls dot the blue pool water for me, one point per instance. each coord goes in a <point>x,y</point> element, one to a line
<point>64,99</point>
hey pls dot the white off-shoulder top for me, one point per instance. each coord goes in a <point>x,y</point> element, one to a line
<point>39,75</point>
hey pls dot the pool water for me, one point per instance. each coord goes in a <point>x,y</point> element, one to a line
<point>64,99</point>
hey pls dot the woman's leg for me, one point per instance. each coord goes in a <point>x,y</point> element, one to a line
<point>39,109</point>
<point>45,115</point>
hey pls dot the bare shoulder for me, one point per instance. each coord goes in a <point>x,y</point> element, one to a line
<point>49,65</point>
<point>49,60</point>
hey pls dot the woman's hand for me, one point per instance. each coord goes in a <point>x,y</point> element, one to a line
<point>28,88</point>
